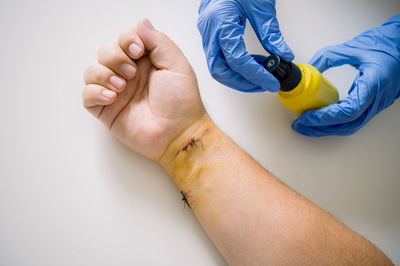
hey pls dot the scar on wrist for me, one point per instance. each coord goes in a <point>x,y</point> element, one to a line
<point>185,200</point>
<point>190,144</point>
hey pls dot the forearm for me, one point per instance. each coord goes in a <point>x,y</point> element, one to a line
<point>252,217</point>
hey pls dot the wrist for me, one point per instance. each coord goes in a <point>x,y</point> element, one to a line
<point>185,154</point>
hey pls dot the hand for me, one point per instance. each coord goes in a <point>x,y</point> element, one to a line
<point>144,90</point>
<point>222,23</point>
<point>376,54</point>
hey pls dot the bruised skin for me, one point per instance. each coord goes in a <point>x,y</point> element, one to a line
<point>185,159</point>
<point>251,216</point>
<point>181,156</point>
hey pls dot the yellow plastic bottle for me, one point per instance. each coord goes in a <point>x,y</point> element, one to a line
<point>303,87</point>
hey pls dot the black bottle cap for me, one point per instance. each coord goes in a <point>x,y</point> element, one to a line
<point>288,74</point>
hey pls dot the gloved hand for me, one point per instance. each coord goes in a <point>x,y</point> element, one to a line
<point>376,54</point>
<point>222,23</point>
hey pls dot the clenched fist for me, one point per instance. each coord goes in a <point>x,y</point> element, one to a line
<point>144,90</point>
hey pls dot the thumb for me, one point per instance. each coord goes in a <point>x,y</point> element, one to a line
<point>163,52</point>
<point>333,56</point>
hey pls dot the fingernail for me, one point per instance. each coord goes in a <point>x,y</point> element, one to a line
<point>128,70</point>
<point>148,24</point>
<point>117,82</point>
<point>134,50</point>
<point>108,94</point>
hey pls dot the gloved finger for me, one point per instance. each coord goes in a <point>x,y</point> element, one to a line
<point>339,130</point>
<point>266,27</point>
<point>361,96</point>
<point>239,60</point>
<point>335,55</point>
<point>222,72</point>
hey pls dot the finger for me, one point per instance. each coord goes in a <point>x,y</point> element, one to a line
<point>266,26</point>
<point>113,57</point>
<point>163,52</point>
<point>94,95</point>
<point>335,55</point>
<point>103,76</point>
<point>239,60</point>
<point>338,130</point>
<point>131,43</point>
<point>221,72</point>
<point>216,62</point>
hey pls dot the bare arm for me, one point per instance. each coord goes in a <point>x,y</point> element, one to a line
<point>144,90</point>
<point>251,216</point>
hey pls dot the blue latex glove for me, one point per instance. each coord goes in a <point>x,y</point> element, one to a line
<point>222,23</point>
<point>376,54</point>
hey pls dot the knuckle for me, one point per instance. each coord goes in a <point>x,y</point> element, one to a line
<point>324,50</point>
<point>85,96</point>
<point>92,73</point>
<point>108,52</point>
<point>165,38</point>
<point>320,52</point>
<point>86,74</point>
<point>104,48</point>
<point>127,35</point>
<point>216,75</point>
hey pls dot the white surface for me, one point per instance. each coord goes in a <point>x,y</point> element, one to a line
<point>72,195</point>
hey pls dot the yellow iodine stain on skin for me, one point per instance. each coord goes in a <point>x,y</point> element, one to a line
<point>186,163</point>
<point>187,158</point>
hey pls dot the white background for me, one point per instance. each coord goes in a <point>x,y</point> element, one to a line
<point>72,195</point>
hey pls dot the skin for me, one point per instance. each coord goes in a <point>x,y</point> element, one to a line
<point>251,216</point>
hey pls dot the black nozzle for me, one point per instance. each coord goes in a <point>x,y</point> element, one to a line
<point>288,74</point>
